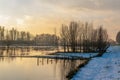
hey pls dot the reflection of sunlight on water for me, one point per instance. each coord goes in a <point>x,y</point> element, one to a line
<point>35,68</point>
<point>23,51</point>
<point>13,68</point>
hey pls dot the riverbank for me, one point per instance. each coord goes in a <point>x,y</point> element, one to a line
<point>106,67</point>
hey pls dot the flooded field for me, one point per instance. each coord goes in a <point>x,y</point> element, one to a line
<point>19,68</point>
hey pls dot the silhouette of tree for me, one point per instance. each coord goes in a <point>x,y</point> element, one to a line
<point>102,39</point>
<point>82,37</point>
<point>65,37</point>
<point>118,37</point>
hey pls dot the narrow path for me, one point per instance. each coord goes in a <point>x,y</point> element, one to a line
<point>106,67</point>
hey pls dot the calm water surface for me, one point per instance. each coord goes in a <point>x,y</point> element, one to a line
<point>18,68</point>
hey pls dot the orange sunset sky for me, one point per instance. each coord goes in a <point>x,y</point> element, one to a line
<point>42,16</point>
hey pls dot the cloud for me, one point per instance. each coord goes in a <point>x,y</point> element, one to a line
<point>89,4</point>
<point>52,13</point>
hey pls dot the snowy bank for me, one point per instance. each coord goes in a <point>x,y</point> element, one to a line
<point>106,67</point>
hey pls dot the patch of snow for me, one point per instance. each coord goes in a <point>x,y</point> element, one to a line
<point>84,55</point>
<point>106,67</point>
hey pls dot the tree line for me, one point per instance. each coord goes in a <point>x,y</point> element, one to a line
<point>46,40</point>
<point>75,37</point>
<point>13,36</point>
<point>24,38</point>
<point>82,37</point>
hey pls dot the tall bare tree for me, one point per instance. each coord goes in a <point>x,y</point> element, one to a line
<point>118,37</point>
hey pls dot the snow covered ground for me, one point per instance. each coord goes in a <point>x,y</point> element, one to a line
<point>106,67</point>
<point>84,55</point>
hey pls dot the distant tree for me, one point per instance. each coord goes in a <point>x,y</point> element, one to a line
<point>74,34</point>
<point>23,35</point>
<point>118,37</point>
<point>2,33</point>
<point>102,39</point>
<point>46,40</point>
<point>65,37</point>
<point>28,36</point>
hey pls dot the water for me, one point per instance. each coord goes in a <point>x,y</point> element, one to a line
<point>19,68</point>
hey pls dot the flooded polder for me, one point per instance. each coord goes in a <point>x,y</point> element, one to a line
<point>34,68</point>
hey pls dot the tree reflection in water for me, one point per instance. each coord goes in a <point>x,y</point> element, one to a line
<point>61,66</point>
<point>14,51</point>
<point>66,66</point>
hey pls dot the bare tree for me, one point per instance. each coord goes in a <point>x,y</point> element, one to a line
<point>64,37</point>
<point>118,37</point>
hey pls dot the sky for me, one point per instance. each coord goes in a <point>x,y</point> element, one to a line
<point>43,16</point>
